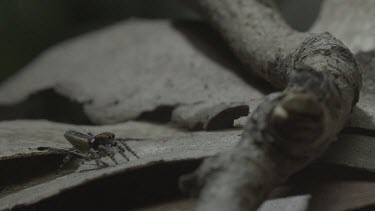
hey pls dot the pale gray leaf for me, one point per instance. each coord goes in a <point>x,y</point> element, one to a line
<point>137,67</point>
<point>349,21</point>
<point>159,144</point>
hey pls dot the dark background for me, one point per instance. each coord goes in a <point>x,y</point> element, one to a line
<point>27,27</point>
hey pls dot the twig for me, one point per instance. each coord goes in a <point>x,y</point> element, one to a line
<point>290,128</point>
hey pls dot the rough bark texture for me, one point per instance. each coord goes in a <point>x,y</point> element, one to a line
<point>322,81</point>
<point>352,22</point>
<point>363,117</point>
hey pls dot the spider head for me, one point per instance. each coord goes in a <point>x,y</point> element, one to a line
<point>104,139</point>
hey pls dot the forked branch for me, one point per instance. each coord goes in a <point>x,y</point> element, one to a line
<point>321,81</point>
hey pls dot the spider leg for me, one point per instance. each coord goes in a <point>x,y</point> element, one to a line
<point>95,156</point>
<point>89,133</point>
<point>92,137</point>
<point>51,149</point>
<point>108,152</point>
<point>66,160</point>
<point>71,152</point>
<point>122,143</point>
<point>121,149</point>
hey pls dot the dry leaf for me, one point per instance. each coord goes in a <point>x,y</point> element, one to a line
<point>159,145</point>
<point>139,69</point>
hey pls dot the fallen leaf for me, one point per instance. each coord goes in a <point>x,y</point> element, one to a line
<point>291,203</point>
<point>342,195</point>
<point>352,150</point>
<point>139,69</point>
<point>159,145</point>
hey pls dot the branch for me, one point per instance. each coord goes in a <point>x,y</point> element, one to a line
<point>290,128</point>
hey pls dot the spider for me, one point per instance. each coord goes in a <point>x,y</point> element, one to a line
<point>90,147</point>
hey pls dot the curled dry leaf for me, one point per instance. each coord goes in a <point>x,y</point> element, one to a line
<point>189,75</point>
<point>139,69</point>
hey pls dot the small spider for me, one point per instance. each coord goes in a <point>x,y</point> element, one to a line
<point>90,147</point>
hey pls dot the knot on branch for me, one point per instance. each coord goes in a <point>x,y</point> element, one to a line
<point>328,56</point>
<point>292,123</point>
<point>289,129</point>
<point>321,84</point>
<point>297,123</point>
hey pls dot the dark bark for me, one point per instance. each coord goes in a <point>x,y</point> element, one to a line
<point>322,80</point>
